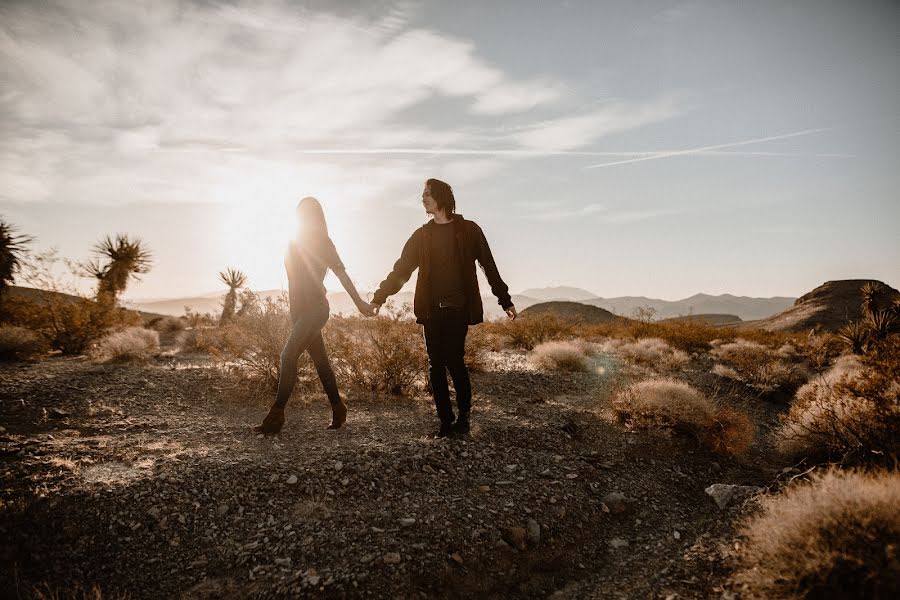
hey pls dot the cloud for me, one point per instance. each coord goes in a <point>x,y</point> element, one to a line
<point>109,102</point>
<point>710,149</point>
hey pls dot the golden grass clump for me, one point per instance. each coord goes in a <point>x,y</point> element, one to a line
<point>837,536</point>
<point>850,413</point>
<point>651,352</point>
<point>762,368</point>
<point>526,332</point>
<point>133,344</point>
<point>668,403</point>
<point>568,355</point>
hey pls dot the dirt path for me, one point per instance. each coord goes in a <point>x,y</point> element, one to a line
<point>145,481</point>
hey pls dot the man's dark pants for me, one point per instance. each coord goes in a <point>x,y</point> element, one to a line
<point>445,341</point>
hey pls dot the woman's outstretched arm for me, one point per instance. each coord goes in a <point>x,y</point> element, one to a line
<point>364,307</point>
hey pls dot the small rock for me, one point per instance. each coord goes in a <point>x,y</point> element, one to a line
<point>391,558</point>
<point>617,543</point>
<point>515,536</point>
<point>724,494</point>
<point>484,488</point>
<point>338,465</point>
<point>292,480</point>
<point>617,503</point>
<point>676,535</point>
<point>427,469</point>
<point>57,413</point>
<point>534,532</point>
<point>222,510</point>
<point>407,522</point>
<point>283,562</point>
<point>455,557</point>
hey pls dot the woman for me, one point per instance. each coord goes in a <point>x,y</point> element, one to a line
<point>308,258</point>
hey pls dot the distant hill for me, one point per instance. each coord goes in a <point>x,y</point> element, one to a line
<point>700,304</point>
<point>35,295</point>
<point>830,306</point>
<point>709,319</point>
<point>574,312</point>
<point>572,294</point>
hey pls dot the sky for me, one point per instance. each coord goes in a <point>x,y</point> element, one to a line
<point>629,148</point>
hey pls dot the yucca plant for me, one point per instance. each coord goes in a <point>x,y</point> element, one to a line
<point>235,280</point>
<point>854,337</point>
<point>118,260</point>
<point>13,249</point>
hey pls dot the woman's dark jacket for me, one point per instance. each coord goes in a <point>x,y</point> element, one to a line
<point>416,253</point>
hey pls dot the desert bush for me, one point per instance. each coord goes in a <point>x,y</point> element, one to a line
<point>652,352</point>
<point>568,355</point>
<point>686,335</point>
<point>249,345</point>
<point>479,343</point>
<point>834,537</point>
<point>18,343</point>
<point>851,413</point>
<point>131,344</point>
<point>668,403</point>
<point>167,324</point>
<point>529,331</point>
<point>726,372</point>
<point>385,353</point>
<point>762,368</point>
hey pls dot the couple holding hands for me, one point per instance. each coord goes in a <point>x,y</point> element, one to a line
<point>447,301</point>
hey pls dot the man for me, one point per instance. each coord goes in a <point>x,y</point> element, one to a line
<point>447,299</point>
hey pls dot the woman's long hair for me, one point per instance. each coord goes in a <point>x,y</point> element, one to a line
<point>311,220</point>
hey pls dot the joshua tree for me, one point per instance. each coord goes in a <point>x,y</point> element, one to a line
<point>235,280</point>
<point>118,260</point>
<point>12,253</point>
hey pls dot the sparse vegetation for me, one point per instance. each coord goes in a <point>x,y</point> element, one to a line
<point>133,344</point>
<point>18,343</point>
<point>117,261</point>
<point>527,332</point>
<point>235,280</point>
<point>13,252</point>
<point>651,352</point>
<point>561,355</point>
<point>835,537</point>
<point>759,366</point>
<point>669,403</point>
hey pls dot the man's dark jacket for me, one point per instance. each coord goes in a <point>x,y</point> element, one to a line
<point>417,252</point>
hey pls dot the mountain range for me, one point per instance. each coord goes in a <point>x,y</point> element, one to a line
<point>746,308</point>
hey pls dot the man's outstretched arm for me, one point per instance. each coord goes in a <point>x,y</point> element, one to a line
<point>489,267</point>
<point>402,271</point>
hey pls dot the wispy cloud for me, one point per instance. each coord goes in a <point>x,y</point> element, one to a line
<point>707,149</point>
<point>550,211</point>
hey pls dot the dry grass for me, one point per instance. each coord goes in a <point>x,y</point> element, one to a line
<point>836,537</point>
<point>19,343</point>
<point>651,352</point>
<point>527,332</point>
<point>762,368</point>
<point>726,372</point>
<point>668,403</point>
<point>569,355</point>
<point>130,345</point>
<point>851,413</point>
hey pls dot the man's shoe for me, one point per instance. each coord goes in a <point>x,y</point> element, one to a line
<point>338,415</point>
<point>272,423</point>
<point>445,430</point>
<point>461,427</point>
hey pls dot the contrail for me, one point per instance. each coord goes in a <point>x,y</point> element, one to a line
<point>703,149</point>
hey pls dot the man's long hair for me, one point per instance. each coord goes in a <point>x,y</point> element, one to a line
<point>311,219</point>
<point>442,194</point>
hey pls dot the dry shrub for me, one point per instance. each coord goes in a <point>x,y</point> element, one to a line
<point>652,352</point>
<point>726,372</point>
<point>835,537</point>
<point>669,403</point>
<point>132,344</point>
<point>529,331</point>
<point>167,324</point>
<point>685,335</point>
<point>385,353</point>
<point>249,345</point>
<point>19,343</point>
<point>561,356</point>
<point>765,370</point>
<point>480,342</point>
<point>850,413</point>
